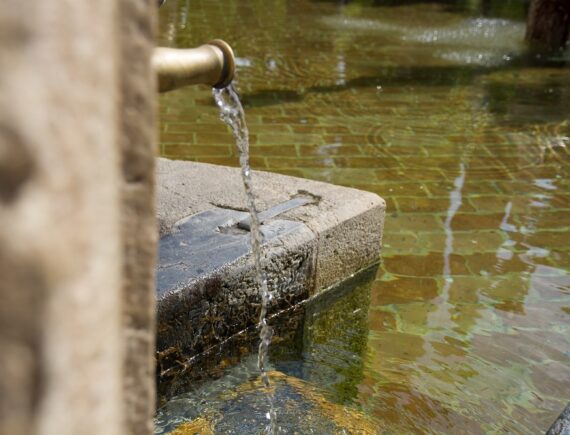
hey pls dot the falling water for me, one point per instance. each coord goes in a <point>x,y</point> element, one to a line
<point>232,113</point>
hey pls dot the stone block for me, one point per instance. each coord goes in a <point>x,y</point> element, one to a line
<point>137,144</point>
<point>59,170</point>
<point>337,233</point>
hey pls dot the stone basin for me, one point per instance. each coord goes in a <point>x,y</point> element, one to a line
<point>206,288</point>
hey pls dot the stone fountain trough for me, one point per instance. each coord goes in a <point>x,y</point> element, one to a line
<point>206,289</point>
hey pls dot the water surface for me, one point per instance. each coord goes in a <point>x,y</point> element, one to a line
<point>436,107</point>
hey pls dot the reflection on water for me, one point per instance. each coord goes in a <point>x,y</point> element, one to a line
<point>317,360</point>
<point>479,41</point>
<point>435,107</point>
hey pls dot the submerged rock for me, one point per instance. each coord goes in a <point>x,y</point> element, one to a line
<point>302,409</point>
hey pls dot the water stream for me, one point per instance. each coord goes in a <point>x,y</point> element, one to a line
<point>232,113</point>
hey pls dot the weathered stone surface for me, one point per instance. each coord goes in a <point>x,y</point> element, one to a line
<point>77,224</point>
<point>137,138</point>
<point>208,241</point>
<point>207,310</point>
<point>562,424</point>
<point>59,170</point>
<point>347,222</point>
<point>302,330</point>
<point>337,233</point>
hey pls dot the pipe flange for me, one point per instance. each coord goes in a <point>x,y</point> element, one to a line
<point>229,67</point>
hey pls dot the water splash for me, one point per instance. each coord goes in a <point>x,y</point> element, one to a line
<point>232,114</point>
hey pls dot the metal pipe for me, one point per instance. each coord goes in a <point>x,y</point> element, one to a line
<point>210,64</point>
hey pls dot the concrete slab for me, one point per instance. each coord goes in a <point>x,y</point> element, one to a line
<point>206,290</point>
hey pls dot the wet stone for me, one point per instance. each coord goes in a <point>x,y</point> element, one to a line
<point>302,409</point>
<point>448,350</point>
<point>466,222</point>
<point>412,223</point>
<point>201,245</point>
<point>432,264</point>
<point>401,290</point>
<point>562,424</point>
<point>413,317</point>
<point>397,345</point>
<point>466,289</point>
<point>406,410</point>
<point>382,320</point>
<point>426,205</point>
<point>477,241</point>
<point>205,285</point>
<point>552,378</point>
<point>485,264</point>
<point>331,327</point>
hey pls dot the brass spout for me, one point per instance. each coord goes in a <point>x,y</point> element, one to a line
<point>210,64</point>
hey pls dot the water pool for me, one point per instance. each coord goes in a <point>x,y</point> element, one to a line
<point>435,107</point>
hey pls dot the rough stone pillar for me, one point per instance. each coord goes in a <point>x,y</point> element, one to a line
<point>548,24</point>
<point>77,232</point>
<point>60,246</point>
<point>138,149</point>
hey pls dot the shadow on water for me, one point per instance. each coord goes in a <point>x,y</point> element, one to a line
<point>455,4</point>
<point>500,97</point>
<point>516,9</point>
<point>518,101</point>
<point>270,97</point>
<point>398,76</point>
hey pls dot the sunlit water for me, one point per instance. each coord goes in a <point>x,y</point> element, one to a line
<point>232,114</point>
<point>436,108</point>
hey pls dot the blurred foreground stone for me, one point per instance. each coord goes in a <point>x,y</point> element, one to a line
<point>77,233</point>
